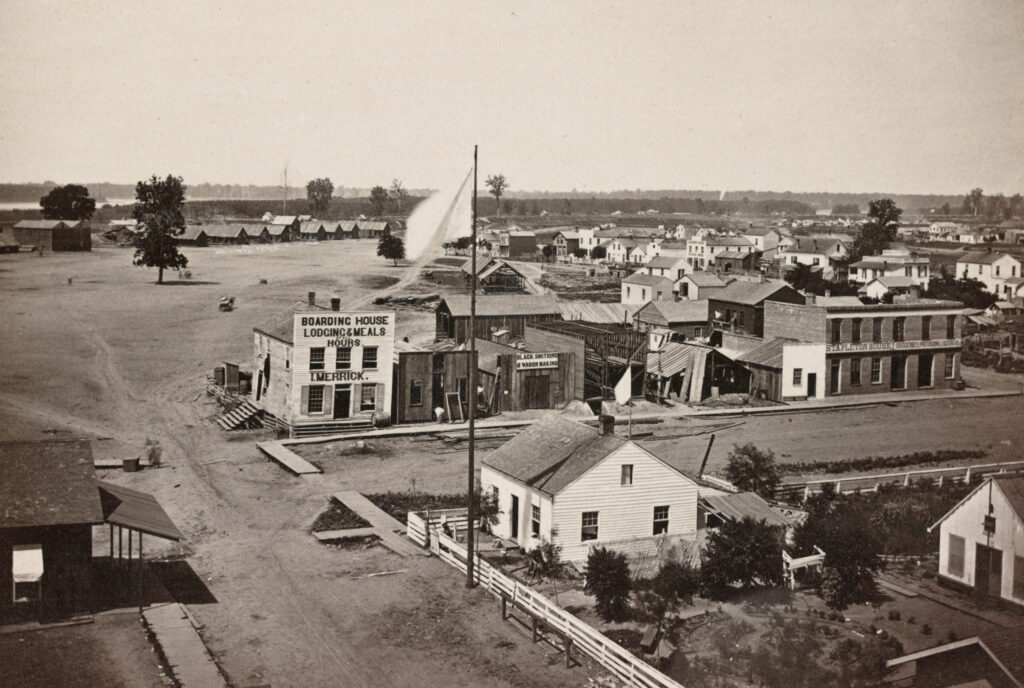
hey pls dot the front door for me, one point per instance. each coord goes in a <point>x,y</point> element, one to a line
<point>538,392</point>
<point>342,401</point>
<point>988,571</point>
<point>812,385</point>
<point>513,516</point>
<point>833,377</point>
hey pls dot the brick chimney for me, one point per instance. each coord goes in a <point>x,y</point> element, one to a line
<point>311,297</point>
<point>335,303</point>
<point>606,424</point>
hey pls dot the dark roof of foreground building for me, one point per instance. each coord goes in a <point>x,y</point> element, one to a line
<point>1002,646</point>
<point>48,483</point>
<point>552,453</point>
<point>768,354</point>
<point>750,293</point>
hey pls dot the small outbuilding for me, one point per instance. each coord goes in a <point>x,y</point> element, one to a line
<point>53,235</point>
<point>494,312</point>
<point>495,276</point>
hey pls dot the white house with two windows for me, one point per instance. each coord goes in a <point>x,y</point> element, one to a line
<point>642,287</point>
<point>993,269</point>
<point>577,486</point>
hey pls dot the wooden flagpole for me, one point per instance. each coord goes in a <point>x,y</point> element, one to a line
<point>471,477</point>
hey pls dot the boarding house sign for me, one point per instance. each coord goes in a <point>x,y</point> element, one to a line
<point>369,338</point>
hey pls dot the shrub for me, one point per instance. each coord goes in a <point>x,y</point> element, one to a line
<point>753,470</point>
<point>608,580</point>
<point>894,615</point>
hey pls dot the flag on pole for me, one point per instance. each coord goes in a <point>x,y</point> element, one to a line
<point>445,216</point>
<point>624,387</point>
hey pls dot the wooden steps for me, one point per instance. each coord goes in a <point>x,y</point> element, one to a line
<point>337,427</point>
<point>243,415</point>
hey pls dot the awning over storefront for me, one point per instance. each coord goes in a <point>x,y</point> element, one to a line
<point>28,563</point>
<point>137,511</point>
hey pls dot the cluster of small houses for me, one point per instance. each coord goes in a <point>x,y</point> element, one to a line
<point>273,229</point>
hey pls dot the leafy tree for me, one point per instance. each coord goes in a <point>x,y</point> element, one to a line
<point>995,207</point>
<point>548,251</point>
<point>599,252</point>
<point>802,277</point>
<point>746,553</point>
<point>318,193</point>
<point>1015,205</point>
<point>158,209</point>
<point>753,470</point>
<point>880,229</point>
<point>946,210</point>
<point>498,185</point>
<point>71,202</point>
<point>971,292</point>
<point>608,580</point>
<point>973,202</point>
<point>398,193</point>
<point>842,528</point>
<point>675,583</point>
<point>378,200</point>
<point>391,247</point>
<point>580,253</point>
<point>545,559</point>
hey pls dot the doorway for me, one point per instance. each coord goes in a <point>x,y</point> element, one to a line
<point>513,516</point>
<point>898,377</point>
<point>538,391</point>
<point>988,571</point>
<point>924,370</point>
<point>833,376</point>
<point>812,385</point>
<point>342,401</point>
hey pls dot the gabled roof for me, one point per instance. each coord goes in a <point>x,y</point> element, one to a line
<point>768,355</point>
<point>728,241</point>
<point>646,280</point>
<point>282,326</point>
<point>283,220</point>
<point>984,257</point>
<point>569,236</point>
<point>192,232</point>
<point>277,230</point>
<point>310,227</point>
<point>894,281</point>
<point>706,279</point>
<point>502,304</point>
<point>46,224</point>
<point>348,226</point>
<point>674,312</point>
<point>1002,646</point>
<point>759,231</point>
<point>373,225</point>
<point>665,262</point>
<point>226,231</point>
<point>750,293</point>
<point>552,453</point>
<point>814,245</point>
<point>48,483</point>
<point>1012,488</point>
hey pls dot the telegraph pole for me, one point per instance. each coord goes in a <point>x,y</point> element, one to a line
<point>471,477</point>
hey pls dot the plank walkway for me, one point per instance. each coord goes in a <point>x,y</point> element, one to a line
<point>345,533</point>
<point>189,659</point>
<point>287,458</point>
<point>390,530</point>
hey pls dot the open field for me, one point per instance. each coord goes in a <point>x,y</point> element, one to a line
<point>115,356</point>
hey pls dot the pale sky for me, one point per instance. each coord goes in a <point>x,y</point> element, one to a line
<point>903,97</point>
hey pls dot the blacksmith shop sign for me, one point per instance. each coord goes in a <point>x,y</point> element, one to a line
<point>536,361</point>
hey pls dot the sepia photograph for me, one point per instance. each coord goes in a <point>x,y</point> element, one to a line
<point>512,344</point>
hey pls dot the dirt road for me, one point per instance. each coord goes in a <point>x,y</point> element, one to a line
<point>118,359</point>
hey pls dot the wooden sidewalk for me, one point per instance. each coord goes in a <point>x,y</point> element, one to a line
<point>287,458</point>
<point>190,661</point>
<point>390,530</point>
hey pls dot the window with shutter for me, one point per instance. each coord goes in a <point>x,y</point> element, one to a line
<point>304,399</point>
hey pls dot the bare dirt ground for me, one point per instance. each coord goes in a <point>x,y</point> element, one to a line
<point>112,355</point>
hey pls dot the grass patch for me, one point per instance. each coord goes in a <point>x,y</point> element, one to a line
<point>338,517</point>
<point>350,543</point>
<point>872,463</point>
<point>399,504</point>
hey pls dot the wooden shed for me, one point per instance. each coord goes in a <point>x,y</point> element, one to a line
<point>53,235</point>
<point>421,380</point>
<point>516,380</point>
<point>509,312</point>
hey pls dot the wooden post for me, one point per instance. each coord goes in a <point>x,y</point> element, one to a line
<point>120,544</point>
<point>129,547</point>
<point>504,608</point>
<point>568,650</point>
<point>533,619</point>
<point>470,498</point>
<point>111,542</point>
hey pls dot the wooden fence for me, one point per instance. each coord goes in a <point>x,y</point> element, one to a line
<point>618,661</point>
<point>868,483</point>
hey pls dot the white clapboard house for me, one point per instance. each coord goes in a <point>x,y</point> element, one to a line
<point>981,541</point>
<point>576,486</point>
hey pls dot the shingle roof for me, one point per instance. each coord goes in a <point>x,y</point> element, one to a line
<point>282,326</point>
<point>665,262</point>
<point>671,312</point>
<point>192,232</point>
<point>552,453</point>
<point>226,231</point>
<point>643,279</point>
<point>732,255</point>
<point>750,293</point>
<point>983,257</point>
<point>46,224</point>
<point>283,219</point>
<point>48,483</point>
<point>768,354</point>
<point>590,311</point>
<point>1013,489</point>
<point>813,245</point>
<point>728,241</point>
<point>759,231</point>
<point>310,227</point>
<point>895,281</point>
<point>139,511</point>
<point>706,279</point>
<point>503,304</point>
<point>744,505</point>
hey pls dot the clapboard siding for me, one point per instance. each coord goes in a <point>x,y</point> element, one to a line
<point>507,487</point>
<point>276,400</point>
<point>624,512</point>
<point>967,521</point>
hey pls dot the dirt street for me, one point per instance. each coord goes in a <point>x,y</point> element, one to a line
<point>116,358</point>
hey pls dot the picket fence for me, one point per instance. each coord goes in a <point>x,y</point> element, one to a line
<point>618,661</point>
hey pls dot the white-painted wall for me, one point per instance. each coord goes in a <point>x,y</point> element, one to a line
<point>809,358</point>
<point>528,496</point>
<point>967,522</point>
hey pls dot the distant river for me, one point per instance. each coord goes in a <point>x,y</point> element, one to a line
<point>34,205</point>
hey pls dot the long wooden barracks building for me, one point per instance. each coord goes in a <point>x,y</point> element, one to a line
<point>318,370</point>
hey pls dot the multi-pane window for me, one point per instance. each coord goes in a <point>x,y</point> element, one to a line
<point>798,376</point>
<point>955,561</point>
<point>627,474</point>
<point>368,398</point>
<point>343,358</point>
<point>535,520</point>
<point>415,392</point>
<point>855,372</point>
<point>316,358</point>
<point>316,399</point>
<point>660,519</point>
<point>950,326</point>
<point>876,330</point>
<point>948,369</point>
<point>855,330</point>
<point>926,327</point>
<point>369,357</point>
<point>898,329</point>
<point>876,371</point>
<point>837,331</point>
<point>588,529</point>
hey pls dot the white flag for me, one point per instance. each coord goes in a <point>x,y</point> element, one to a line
<point>624,388</point>
<point>445,216</point>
